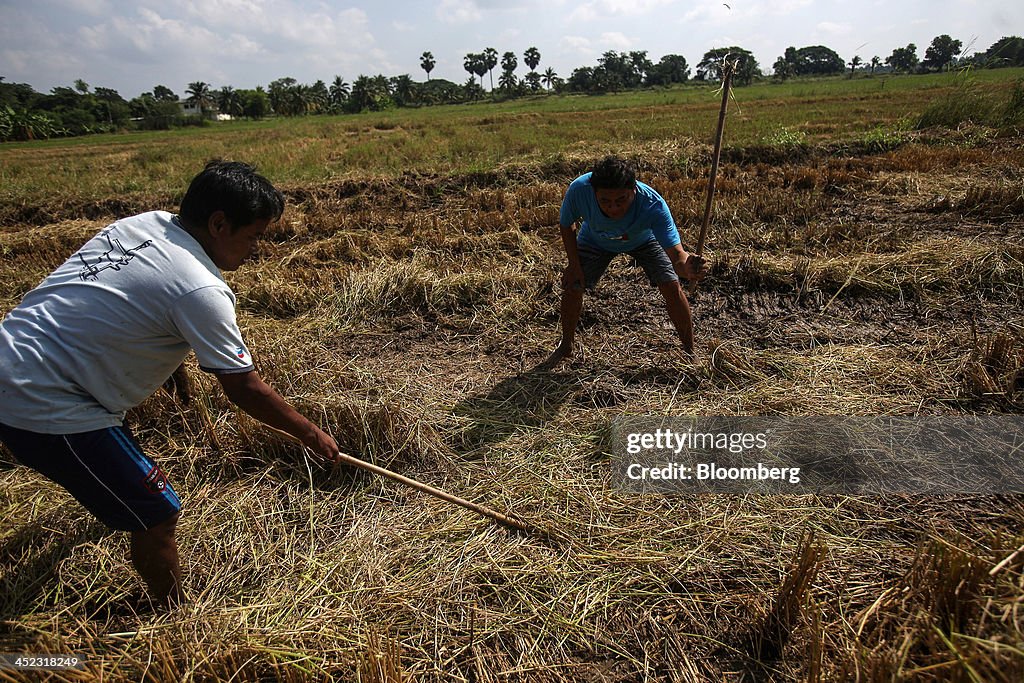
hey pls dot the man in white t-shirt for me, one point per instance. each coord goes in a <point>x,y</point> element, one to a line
<point>104,330</point>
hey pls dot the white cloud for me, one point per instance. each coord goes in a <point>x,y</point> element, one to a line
<point>150,35</point>
<point>509,35</point>
<point>458,11</point>
<point>232,12</point>
<point>598,9</point>
<point>56,64</point>
<point>583,13</point>
<point>576,43</point>
<point>710,11</point>
<point>93,7</point>
<point>786,6</point>
<point>716,11</point>
<point>833,29</point>
<point>587,49</point>
<point>614,39</point>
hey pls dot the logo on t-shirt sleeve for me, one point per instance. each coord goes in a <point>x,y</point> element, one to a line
<point>242,355</point>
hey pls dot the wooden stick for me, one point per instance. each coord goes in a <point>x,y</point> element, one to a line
<point>727,71</point>
<point>437,493</point>
<point>419,486</point>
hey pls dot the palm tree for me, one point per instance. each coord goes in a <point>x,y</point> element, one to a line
<point>532,58</point>
<point>476,63</point>
<point>229,101</point>
<point>427,63</point>
<point>300,99</point>
<point>361,94</point>
<point>854,63</point>
<point>164,94</point>
<point>549,77</point>
<point>875,63</point>
<point>380,88</point>
<point>509,62</point>
<point>339,93</point>
<point>507,81</point>
<point>280,94</point>
<point>199,95</point>
<point>403,89</point>
<point>490,58</point>
<point>319,97</point>
<point>472,89</point>
<point>480,69</point>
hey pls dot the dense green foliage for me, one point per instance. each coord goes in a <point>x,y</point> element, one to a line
<point>70,111</point>
<point>815,60</point>
<point>1007,51</point>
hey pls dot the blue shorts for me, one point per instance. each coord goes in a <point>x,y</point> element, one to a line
<point>105,470</point>
<point>650,256</point>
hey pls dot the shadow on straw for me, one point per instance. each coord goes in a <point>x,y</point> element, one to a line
<point>528,400</point>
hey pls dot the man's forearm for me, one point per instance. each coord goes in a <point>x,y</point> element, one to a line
<point>259,400</point>
<point>569,242</point>
<point>677,255</point>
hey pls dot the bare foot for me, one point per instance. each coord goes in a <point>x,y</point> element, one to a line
<point>563,352</point>
<point>682,355</point>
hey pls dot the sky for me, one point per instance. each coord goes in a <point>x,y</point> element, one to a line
<point>133,46</point>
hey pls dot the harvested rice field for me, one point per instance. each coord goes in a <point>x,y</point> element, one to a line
<point>408,314</point>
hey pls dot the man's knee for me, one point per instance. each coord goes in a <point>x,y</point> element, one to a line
<point>671,290</point>
<point>164,529</point>
<point>573,291</point>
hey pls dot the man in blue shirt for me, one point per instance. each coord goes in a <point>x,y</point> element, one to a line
<point>618,215</point>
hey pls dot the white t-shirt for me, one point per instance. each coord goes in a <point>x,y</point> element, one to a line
<point>103,331</point>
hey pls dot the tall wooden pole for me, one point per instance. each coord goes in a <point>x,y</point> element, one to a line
<point>727,71</point>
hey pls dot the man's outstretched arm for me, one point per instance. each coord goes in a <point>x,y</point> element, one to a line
<point>572,276</point>
<point>257,398</point>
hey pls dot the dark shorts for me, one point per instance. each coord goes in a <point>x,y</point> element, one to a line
<point>105,470</point>
<point>650,256</point>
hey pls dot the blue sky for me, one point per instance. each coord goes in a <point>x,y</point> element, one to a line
<point>132,46</point>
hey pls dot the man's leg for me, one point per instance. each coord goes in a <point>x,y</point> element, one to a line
<point>593,263</point>
<point>155,558</point>
<point>678,311</point>
<point>571,308</point>
<point>656,263</point>
<point>108,473</point>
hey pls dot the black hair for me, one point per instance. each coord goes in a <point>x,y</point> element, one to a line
<point>234,188</point>
<point>613,173</point>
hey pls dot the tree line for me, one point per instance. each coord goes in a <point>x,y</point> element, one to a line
<point>80,109</point>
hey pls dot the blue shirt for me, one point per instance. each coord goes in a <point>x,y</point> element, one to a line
<point>648,216</point>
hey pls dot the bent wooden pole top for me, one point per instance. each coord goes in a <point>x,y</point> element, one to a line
<point>728,68</point>
<point>727,72</point>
